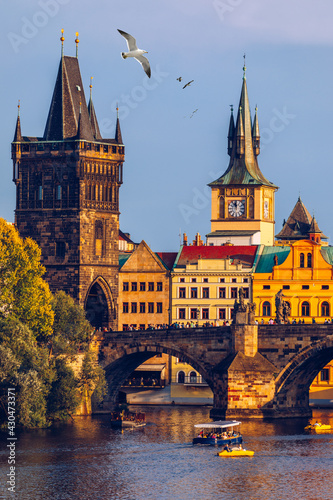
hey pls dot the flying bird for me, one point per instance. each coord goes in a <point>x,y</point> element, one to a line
<point>194,112</point>
<point>179,79</point>
<point>135,52</point>
<point>188,84</point>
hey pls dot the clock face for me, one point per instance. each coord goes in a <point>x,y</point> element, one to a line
<point>266,209</point>
<point>236,208</point>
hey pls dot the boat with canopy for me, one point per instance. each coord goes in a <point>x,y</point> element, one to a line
<point>220,432</point>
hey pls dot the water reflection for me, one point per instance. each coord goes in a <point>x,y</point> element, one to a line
<point>86,459</point>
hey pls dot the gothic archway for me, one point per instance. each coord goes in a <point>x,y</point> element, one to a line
<point>99,305</point>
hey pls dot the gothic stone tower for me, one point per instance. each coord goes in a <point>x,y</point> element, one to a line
<point>67,197</point>
<point>242,198</point>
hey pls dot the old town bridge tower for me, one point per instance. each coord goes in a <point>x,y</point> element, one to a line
<point>67,197</point>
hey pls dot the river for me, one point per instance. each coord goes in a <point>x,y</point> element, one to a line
<point>88,460</point>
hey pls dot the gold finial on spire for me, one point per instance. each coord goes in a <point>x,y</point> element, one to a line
<point>231,108</point>
<point>244,67</point>
<point>90,86</point>
<point>77,43</point>
<point>117,111</point>
<point>18,108</point>
<point>80,107</point>
<point>62,38</point>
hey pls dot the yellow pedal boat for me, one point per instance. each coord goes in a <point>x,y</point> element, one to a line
<point>318,427</point>
<point>236,453</point>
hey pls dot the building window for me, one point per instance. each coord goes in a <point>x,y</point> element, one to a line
<point>58,195</point>
<point>325,287</point>
<point>325,375</point>
<point>222,280</point>
<point>134,286</point>
<point>221,293</point>
<point>98,238</point>
<point>151,307</point>
<point>194,313</point>
<point>125,286</point>
<point>194,293</point>
<point>245,280</point>
<point>159,286</point>
<point>150,286</point>
<point>325,309</point>
<point>305,287</point>
<point>205,313</point>
<point>309,260</point>
<point>181,377</point>
<point>205,293</point>
<point>286,287</point>
<point>181,280</point>
<point>142,327</point>
<point>60,249</point>
<point>142,307</point>
<point>305,309</point>
<point>193,378</point>
<point>234,280</point>
<point>134,308</point>
<point>125,307</point>
<point>205,280</point>
<point>266,309</point>
<point>233,293</point>
<point>182,293</point>
<point>142,287</point>
<point>266,287</point>
<point>222,313</point>
<point>301,260</point>
<point>194,280</point>
<point>181,313</point>
<point>159,308</point>
<point>40,193</point>
<point>246,293</point>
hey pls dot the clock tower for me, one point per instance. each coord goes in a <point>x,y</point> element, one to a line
<point>242,198</point>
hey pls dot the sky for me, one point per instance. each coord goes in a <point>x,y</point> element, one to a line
<point>176,139</point>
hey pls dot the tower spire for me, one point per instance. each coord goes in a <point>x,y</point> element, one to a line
<point>256,134</point>
<point>18,135</point>
<point>118,136</point>
<point>231,131</point>
<point>62,38</point>
<point>77,44</point>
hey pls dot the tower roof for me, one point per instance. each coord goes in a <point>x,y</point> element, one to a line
<point>299,224</point>
<point>243,168</point>
<point>63,118</point>
<point>93,120</point>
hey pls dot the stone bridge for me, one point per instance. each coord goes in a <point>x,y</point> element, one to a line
<point>253,371</point>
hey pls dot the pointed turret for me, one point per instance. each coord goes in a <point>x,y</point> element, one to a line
<point>300,225</point>
<point>118,137</point>
<point>315,234</point>
<point>243,147</point>
<point>92,115</point>
<point>231,131</point>
<point>17,134</point>
<point>256,134</point>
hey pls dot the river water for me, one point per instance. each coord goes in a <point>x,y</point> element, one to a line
<point>88,460</point>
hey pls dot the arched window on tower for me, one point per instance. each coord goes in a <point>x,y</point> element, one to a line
<point>325,309</point>
<point>266,309</point>
<point>181,377</point>
<point>305,308</point>
<point>309,260</point>
<point>99,238</point>
<point>221,207</point>
<point>301,260</point>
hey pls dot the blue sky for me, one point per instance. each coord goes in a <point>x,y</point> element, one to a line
<point>171,153</point>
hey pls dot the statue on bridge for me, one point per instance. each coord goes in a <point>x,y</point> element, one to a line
<point>282,309</point>
<point>243,313</point>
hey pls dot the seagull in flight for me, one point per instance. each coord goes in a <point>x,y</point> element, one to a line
<point>188,84</point>
<point>135,52</point>
<point>179,79</point>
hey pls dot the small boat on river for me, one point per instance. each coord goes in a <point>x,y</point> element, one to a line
<point>236,451</point>
<point>220,432</point>
<point>129,419</point>
<point>318,427</point>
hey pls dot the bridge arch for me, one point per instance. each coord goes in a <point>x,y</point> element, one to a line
<point>126,359</point>
<point>293,382</point>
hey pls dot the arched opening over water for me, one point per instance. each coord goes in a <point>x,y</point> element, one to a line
<point>121,370</point>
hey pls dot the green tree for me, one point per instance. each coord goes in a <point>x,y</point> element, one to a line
<point>92,378</point>
<point>23,292</point>
<point>71,329</point>
<point>63,398</point>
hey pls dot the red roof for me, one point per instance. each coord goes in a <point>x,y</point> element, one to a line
<point>168,258</point>
<point>191,254</point>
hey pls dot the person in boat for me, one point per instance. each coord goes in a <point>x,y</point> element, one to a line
<point>227,448</point>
